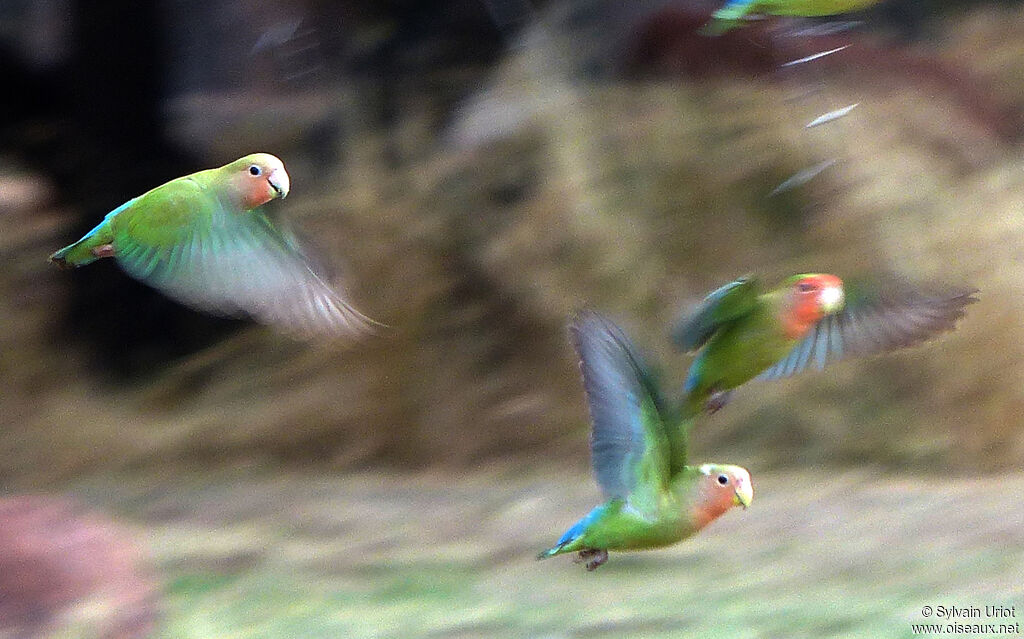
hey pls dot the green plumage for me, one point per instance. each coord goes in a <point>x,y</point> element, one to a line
<point>623,524</point>
<point>638,447</point>
<point>740,330</point>
<point>204,240</point>
<point>743,332</point>
<point>735,10</point>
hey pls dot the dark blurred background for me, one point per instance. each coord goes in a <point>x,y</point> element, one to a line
<point>478,170</point>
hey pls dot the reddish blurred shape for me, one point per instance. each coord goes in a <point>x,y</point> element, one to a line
<point>55,556</point>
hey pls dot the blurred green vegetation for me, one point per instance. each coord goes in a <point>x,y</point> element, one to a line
<point>818,554</point>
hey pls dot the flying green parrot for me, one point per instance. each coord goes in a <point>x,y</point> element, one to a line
<point>744,332</point>
<point>202,240</point>
<point>638,449</point>
<point>733,11</point>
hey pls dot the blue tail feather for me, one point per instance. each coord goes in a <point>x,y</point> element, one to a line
<point>575,532</point>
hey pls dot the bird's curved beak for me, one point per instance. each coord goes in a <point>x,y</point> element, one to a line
<point>744,495</point>
<point>832,299</point>
<point>278,180</point>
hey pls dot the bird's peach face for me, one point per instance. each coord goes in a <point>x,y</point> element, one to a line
<point>721,487</point>
<point>821,292</point>
<point>815,296</point>
<point>267,180</point>
<point>728,484</point>
<point>259,178</point>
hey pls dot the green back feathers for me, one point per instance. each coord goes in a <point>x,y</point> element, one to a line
<point>725,304</point>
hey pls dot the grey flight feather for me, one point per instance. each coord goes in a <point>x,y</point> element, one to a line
<point>617,383</point>
<point>242,264</point>
<point>895,320</point>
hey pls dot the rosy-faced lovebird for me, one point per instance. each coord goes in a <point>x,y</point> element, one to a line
<point>733,11</point>
<point>203,240</point>
<point>638,451</point>
<point>744,332</point>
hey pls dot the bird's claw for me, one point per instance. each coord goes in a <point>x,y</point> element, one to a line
<point>717,400</point>
<point>61,263</point>
<point>593,557</point>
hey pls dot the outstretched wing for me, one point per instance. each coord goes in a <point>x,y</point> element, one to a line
<point>725,304</point>
<point>629,447</point>
<point>882,322</point>
<point>229,263</point>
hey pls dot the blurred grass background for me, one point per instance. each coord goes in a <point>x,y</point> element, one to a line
<point>374,555</point>
<point>475,196</point>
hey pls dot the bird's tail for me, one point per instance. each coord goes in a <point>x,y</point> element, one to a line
<point>717,26</point>
<point>726,18</point>
<point>82,252</point>
<point>565,543</point>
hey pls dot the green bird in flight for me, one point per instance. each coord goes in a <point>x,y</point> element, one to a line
<point>203,240</point>
<point>638,451</point>
<point>734,11</point>
<point>742,331</point>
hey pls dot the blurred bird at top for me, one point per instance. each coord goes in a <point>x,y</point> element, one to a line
<point>203,240</point>
<point>744,332</point>
<point>638,448</point>
<point>735,11</point>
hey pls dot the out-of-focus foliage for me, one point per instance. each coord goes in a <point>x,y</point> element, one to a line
<point>843,555</point>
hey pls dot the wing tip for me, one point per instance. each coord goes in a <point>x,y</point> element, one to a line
<point>587,320</point>
<point>339,320</point>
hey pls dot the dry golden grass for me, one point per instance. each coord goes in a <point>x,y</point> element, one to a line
<point>632,197</point>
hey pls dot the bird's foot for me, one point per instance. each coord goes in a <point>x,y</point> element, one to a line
<point>584,555</point>
<point>597,559</point>
<point>105,250</point>
<point>61,262</point>
<point>593,557</point>
<point>717,400</point>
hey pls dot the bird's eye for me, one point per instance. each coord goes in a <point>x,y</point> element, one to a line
<point>805,287</point>
<point>723,479</point>
<point>254,170</point>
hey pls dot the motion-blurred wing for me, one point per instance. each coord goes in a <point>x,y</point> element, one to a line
<point>229,263</point>
<point>725,304</point>
<point>628,444</point>
<point>882,323</point>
